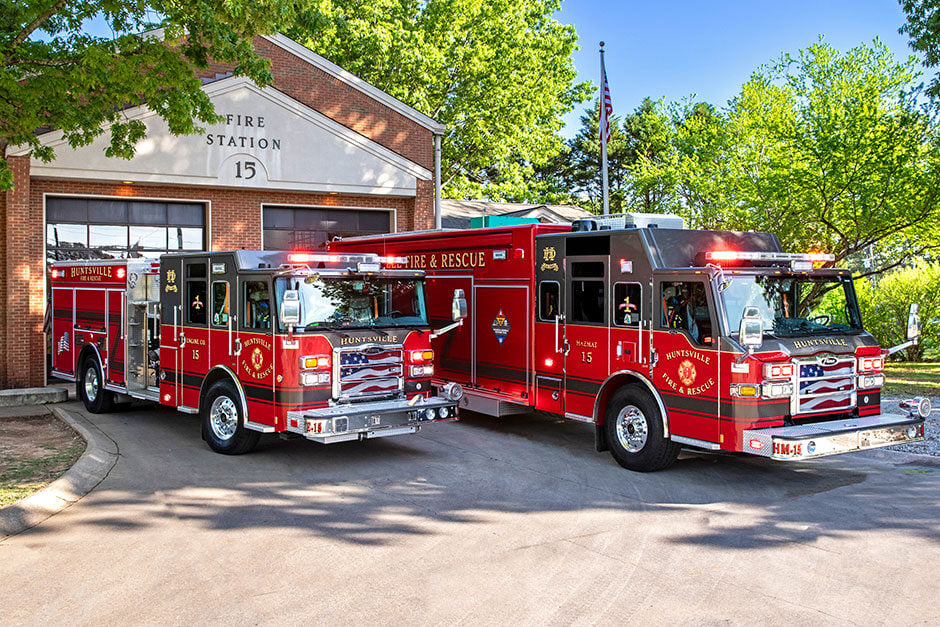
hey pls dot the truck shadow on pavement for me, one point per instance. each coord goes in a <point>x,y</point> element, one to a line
<point>484,470</point>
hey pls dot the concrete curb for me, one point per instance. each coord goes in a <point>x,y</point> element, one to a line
<point>91,468</point>
<point>33,396</point>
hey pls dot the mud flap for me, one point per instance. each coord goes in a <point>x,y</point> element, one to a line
<point>600,438</point>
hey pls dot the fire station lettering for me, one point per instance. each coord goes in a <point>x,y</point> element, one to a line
<point>256,359</point>
<point>823,341</point>
<point>90,273</point>
<point>684,372</point>
<point>447,261</point>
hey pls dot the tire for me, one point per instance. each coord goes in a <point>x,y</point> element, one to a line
<point>90,387</point>
<point>634,427</point>
<point>223,421</point>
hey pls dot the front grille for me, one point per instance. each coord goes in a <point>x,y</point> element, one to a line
<point>368,372</point>
<point>825,384</point>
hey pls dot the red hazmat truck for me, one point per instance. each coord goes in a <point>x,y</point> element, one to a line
<point>328,347</point>
<point>660,336</point>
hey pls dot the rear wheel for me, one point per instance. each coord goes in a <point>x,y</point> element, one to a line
<point>90,386</point>
<point>635,431</point>
<point>223,421</point>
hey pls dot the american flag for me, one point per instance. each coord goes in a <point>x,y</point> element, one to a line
<point>606,107</point>
<point>828,380</point>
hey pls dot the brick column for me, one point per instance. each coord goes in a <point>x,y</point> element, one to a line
<point>22,281</point>
<point>424,206</point>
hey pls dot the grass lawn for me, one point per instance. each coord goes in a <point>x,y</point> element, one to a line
<point>911,379</point>
<point>34,451</point>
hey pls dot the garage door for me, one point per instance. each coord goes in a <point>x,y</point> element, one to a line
<point>105,228</point>
<point>301,228</point>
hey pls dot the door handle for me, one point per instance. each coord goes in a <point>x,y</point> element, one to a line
<point>182,339</point>
<point>558,346</point>
<point>238,346</point>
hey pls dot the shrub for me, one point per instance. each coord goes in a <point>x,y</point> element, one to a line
<point>885,305</point>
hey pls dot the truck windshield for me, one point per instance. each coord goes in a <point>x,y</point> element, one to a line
<point>795,305</point>
<point>353,303</point>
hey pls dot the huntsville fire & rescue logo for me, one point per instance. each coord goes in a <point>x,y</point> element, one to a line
<point>501,326</point>
<point>687,368</point>
<point>254,366</point>
<point>687,372</point>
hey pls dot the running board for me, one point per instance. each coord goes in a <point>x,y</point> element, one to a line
<point>490,405</point>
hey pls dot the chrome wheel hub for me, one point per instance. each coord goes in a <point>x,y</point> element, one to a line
<point>91,384</point>
<point>632,429</point>
<point>223,417</point>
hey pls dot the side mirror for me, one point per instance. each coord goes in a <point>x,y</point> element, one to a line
<point>459,305</point>
<point>290,308</point>
<point>913,322</point>
<point>751,331</point>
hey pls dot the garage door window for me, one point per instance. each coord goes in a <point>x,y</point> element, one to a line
<point>290,228</point>
<point>103,228</point>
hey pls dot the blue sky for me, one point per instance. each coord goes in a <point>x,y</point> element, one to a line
<point>676,48</point>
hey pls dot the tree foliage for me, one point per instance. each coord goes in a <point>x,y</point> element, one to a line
<point>498,73</point>
<point>55,74</point>
<point>923,27</point>
<point>832,151</point>
<point>885,305</point>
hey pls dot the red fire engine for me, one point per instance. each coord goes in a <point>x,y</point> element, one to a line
<point>326,346</point>
<point>661,337</point>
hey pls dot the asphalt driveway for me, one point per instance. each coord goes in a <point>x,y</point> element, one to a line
<point>515,520</point>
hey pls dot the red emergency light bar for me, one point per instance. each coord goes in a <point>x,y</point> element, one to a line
<point>334,258</point>
<point>799,261</point>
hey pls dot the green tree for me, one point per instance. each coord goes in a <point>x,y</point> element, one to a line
<point>646,136</point>
<point>579,166</point>
<point>55,74</point>
<point>923,27</point>
<point>832,151</point>
<point>498,73</point>
<point>885,305</point>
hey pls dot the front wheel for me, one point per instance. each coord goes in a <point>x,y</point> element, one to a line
<point>635,431</point>
<point>223,421</point>
<point>90,386</point>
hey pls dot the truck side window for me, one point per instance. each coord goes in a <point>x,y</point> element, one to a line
<point>587,292</point>
<point>196,293</point>
<point>548,300</point>
<point>685,307</point>
<point>627,304</point>
<point>257,305</point>
<point>220,303</point>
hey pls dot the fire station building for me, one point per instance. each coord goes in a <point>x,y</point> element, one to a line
<point>318,153</point>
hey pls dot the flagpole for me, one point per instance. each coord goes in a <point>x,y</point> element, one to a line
<point>603,134</point>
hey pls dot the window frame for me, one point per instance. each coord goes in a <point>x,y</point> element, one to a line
<point>187,282</point>
<point>613,302</point>
<point>228,296</point>
<point>604,280</point>
<point>538,313</point>
<point>712,311</point>
<point>244,318</point>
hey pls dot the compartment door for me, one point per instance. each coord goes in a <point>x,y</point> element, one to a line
<point>502,339</point>
<point>63,321</point>
<point>116,354</point>
<point>455,351</point>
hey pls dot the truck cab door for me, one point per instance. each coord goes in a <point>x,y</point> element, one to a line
<point>586,333</point>
<point>254,346</point>
<point>194,338</point>
<point>685,356</point>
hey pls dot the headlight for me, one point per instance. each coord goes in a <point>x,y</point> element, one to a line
<point>429,414</point>
<point>443,412</point>
<point>776,390</point>
<point>869,381</point>
<point>421,371</point>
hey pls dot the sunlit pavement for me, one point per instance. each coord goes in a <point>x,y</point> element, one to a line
<point>517,520</point>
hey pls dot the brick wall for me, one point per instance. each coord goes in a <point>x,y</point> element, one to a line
<point>23,348</point>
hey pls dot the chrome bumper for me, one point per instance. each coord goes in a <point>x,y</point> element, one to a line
<point>831,438</point>
<point>362,421</point>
